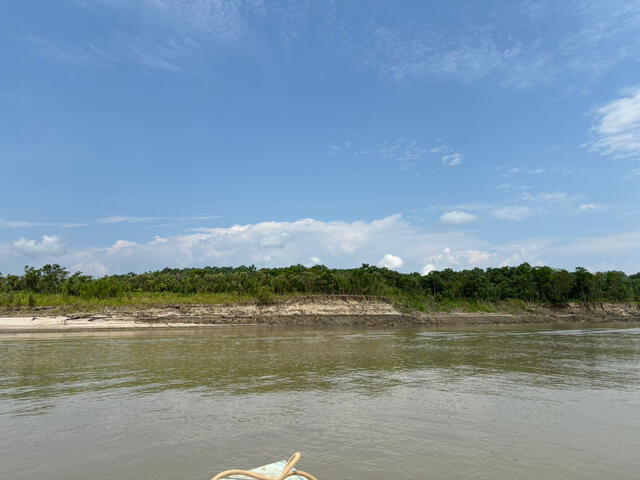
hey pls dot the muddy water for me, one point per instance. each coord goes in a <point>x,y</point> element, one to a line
<point>376,404</point>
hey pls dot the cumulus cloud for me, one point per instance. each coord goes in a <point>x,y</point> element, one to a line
<point>477,257</point>
<point>391,261</point>
<point>337,244</point>
<point>449,258</point>
<point>48,245</point>
<point>457,217</point>
<point>427,269</point>
<point>274,240</point>
<point>265,244</point>
<point>618,126</point>
<point>94,268</point>
<point>526,252</point>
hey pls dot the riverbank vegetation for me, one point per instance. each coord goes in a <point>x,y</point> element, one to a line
<point>479,290</point>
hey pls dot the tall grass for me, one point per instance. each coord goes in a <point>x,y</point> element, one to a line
<point>25,300</point>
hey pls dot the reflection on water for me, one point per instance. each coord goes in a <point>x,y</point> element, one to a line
<point>474,403</point>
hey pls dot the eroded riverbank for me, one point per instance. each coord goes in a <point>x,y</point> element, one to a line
<point>309,311</point>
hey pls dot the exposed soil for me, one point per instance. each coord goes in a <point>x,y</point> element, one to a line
<point>329,311</point>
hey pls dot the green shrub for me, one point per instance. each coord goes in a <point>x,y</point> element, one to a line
<point>264,295</point>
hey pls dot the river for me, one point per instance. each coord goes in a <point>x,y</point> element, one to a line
<point>476,403</point>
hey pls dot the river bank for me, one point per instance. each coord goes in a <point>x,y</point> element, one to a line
<point>318,311</point>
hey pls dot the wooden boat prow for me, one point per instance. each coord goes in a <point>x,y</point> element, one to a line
<point>273,471</point>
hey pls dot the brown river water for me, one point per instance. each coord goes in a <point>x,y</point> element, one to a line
<point>536,402</point>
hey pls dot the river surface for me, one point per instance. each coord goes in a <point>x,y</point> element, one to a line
<point>486,403</point>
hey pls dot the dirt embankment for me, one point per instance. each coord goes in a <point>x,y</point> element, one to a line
<point>570,313</point>
<point>336,311</point>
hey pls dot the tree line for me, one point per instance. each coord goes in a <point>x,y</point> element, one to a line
<point>523,282</point>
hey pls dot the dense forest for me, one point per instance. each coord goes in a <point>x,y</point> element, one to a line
<point>524,282</point>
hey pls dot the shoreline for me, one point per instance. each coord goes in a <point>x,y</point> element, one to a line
<point>310,311</point>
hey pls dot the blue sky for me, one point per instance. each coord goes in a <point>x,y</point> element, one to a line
<point>416,135</point>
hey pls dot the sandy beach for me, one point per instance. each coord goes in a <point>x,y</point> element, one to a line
<point>68,323</point>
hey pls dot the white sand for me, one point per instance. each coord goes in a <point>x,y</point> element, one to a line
<point>61,323</point>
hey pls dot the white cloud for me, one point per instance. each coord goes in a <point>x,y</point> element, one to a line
<point>154,61</point>
<point>122,245</point>
<point>427,269</point>
<point>158,239</point>
<point>274,240</point>
<point>519,253</point>
<point>604,34</point>
<point>534,171</point>
<point>466,56</point>
<point>69,54</point>
<point>95,268</point>
<point>547,197</point>
<point>635,173</point>
<point>457,217</point>
<point>512,212</point>
<point>390,261</point>
<point>170,28</point>
<point>477,257</point>
<point>224,20</point>
<point>122,219</point>
<point>307,241</point>
<point>131,219</point>
<point>22,224</point>
<point>265,244</point>
<point>28,224</point>
<point>549,203</point>
<point>618,126</point>
<point>586,207</point>
<point>452,159</point>
<point>404,151</point>
<point>618,244</point>
<point>449,258</point>
<point>48,245</point>
<point>583,39</point>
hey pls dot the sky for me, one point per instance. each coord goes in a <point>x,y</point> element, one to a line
<point>413,135</point>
